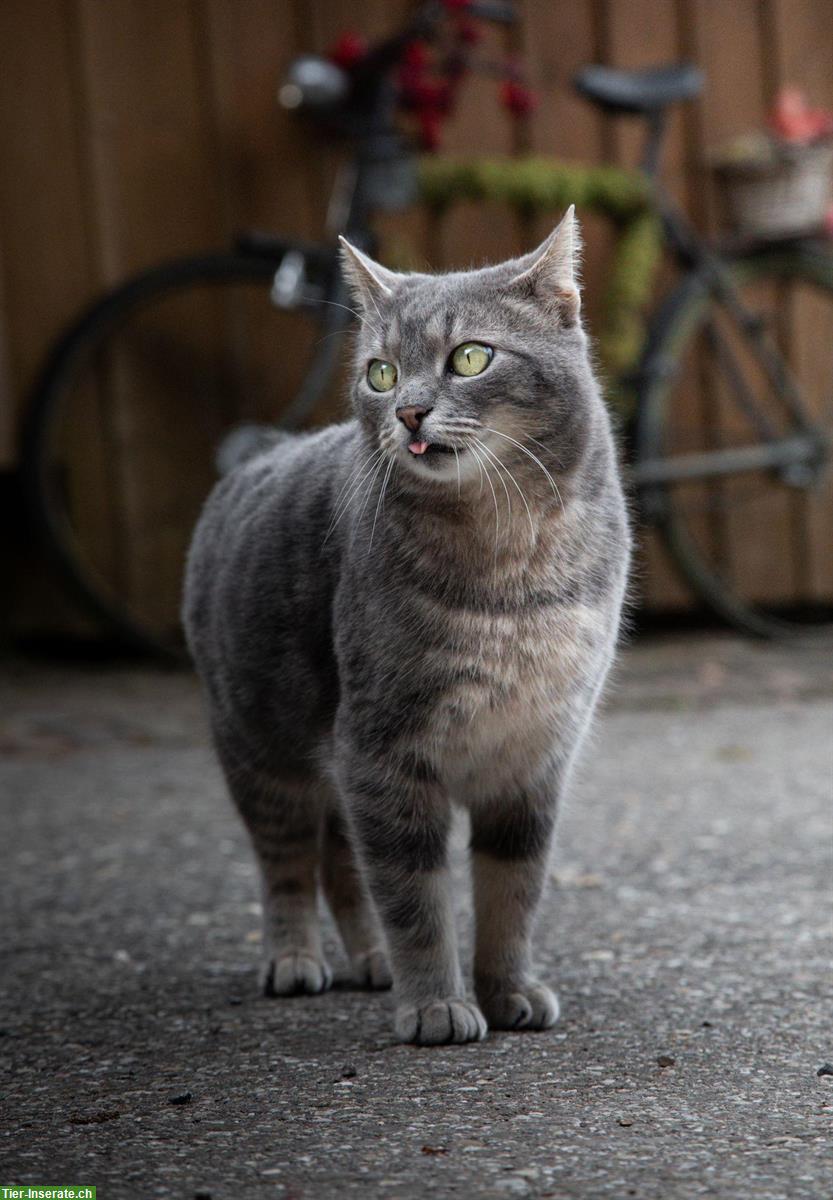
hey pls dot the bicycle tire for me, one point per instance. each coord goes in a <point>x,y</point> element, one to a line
<point>77,352</point>
<point>677,329</point>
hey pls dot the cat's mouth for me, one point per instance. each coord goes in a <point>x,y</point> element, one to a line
<point>427,450</point>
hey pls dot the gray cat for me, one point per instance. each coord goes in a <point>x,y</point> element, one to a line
<point>413,610</point>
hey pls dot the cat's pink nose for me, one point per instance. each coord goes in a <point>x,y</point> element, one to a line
<point>411,416</point>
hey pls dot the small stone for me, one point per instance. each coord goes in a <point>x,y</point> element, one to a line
<point>665,1060</point>
<point>434,1150</point>
<point>182,1098</point>
<point>825,1069</point>
<point>624,1121</point>
<point>202,1195</point>
<point>348,1073</point>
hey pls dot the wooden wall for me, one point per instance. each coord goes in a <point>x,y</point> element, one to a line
<point>135,129</point>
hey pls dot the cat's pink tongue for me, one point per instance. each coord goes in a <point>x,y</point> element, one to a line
<point>417,447</point>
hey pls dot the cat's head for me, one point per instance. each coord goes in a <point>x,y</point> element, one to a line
<point>454,370</point>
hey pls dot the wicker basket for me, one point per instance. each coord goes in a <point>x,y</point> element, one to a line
<point>787,194</point>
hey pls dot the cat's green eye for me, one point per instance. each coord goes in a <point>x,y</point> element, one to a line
<point>472,358</point>
<point>381,375</point>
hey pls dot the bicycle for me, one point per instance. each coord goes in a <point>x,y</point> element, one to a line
<point>124,341</point>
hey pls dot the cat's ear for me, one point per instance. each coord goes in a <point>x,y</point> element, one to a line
<point>553,276</point>
<point>369,282</point>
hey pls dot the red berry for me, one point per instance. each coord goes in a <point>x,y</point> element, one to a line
<point>348,49</point>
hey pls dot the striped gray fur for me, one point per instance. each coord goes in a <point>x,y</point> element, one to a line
<point>384,635</point>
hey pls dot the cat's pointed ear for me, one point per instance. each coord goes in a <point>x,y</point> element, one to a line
<point>553,276</point>
<point>369,282</point>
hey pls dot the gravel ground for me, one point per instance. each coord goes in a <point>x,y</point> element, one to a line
<point>687,930</point>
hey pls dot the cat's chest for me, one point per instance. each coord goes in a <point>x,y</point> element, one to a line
<point>508,683</point>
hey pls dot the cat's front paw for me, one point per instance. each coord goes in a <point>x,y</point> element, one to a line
<point>296,974</point>
<point>440,1022</point>
<point>529,1006</point>
<point>371,970</point>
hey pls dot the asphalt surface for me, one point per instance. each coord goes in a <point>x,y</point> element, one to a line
<point>687,930</point>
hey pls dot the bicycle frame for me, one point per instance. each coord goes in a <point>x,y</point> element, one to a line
<point>799,458</point>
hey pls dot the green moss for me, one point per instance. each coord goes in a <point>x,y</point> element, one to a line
<point>536,185</point>
<point>533,185</point>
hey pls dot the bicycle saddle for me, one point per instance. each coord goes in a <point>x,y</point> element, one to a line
<point>639,91</point>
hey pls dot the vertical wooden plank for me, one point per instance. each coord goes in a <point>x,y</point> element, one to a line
<point>800,52</point>
<point>480,126</point>
<point>643,33</point>
<point>810,337</point>
<point>241,64</point>
<point>558,41</point>
<point>243,60</point>
<point>156,191</point>
<point>729,44</point>
<point>46,267</point>
<point>156,196</point>
<point>758,536</point>
<point>801,46</point>
<point>637,34</point>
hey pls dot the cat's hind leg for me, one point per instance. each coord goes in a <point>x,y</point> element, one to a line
<point>285,822</point>
<point>351,906</point>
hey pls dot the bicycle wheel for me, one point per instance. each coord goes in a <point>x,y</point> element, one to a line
<point>752,544</point>
<point>120,436</point>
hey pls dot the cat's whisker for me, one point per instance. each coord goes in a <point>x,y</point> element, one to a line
<point>349,332</point>
<point>457,456</point>
<point>369,491</point>
<point>548,449</point>
<point>452,428</point>
<point>476,454</point>
<point>379,502</point>
<point>353,474</point>
<point>543,445</point>
<point>353,484</point>
<point>480,469</point>
<point>534,458</point>
<point>360,317</point>
<point>500,462</point>
<point>493,459</point>
<point>450,437</point>
<point>371,472</point>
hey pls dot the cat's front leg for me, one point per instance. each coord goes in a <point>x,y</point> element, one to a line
<point>510,845</point>
<point>401,829</point>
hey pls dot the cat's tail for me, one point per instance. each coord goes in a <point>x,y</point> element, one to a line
<point>243,443</point>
